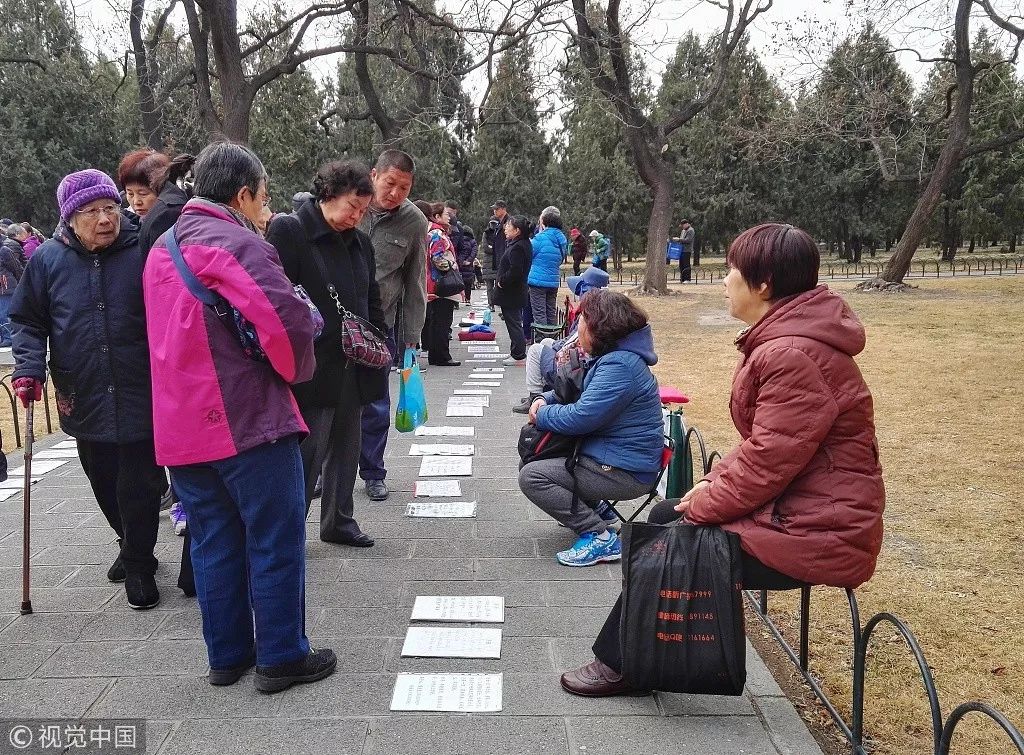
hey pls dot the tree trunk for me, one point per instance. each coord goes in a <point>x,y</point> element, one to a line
<point>145,76</point>
<point>235,90</point>
<point>658,228</point>
<point>949,158</point>
<point>970,247</point>
<point>949,234</point>
<point>857,248</point>
<point>1013,243</point>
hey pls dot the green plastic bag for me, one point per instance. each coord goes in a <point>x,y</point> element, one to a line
<point>412,399</point>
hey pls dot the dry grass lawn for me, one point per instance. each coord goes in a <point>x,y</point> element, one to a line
<point>945,366</point>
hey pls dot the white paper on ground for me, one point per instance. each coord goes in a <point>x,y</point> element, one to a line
<point>452,642</point>
<point>436,489</point>
<point>483,608</point>
<point>423,430</point>
<point>500,356</point>
<point>441,509</point>
<point>16,483</point>
<point>483,361</point>
<point>446,466</point>
<point>465,411</point>
<point>489,369</point>
<point>441,449</point>
<point>484,376</point>
<point>485,383</point>
<point>477,348</point>
<point>472,391</point>
<point>6,493</point>
<point>453,693</point>
<point>58,453</point>
<point>469,401</point>
<point>41,466</point>
<point>70,443</point>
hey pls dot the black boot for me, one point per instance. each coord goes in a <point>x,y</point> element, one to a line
<point>116,571</point>
<point>319,664</point>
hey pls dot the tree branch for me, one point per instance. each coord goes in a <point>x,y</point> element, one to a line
<point>23,61</point>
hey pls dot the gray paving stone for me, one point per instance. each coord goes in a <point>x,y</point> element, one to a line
<point>760,682</point>
<point>323,571</point>
<point>294,737</point>
<point>542,695</point>
<point>41,576</point>
<point>341,694</point>
<point>407,569</point>
<point>788,731</point>
<point>466,735</point>
<point>45,627</point>
<point>722,735</point>
<point>43,522</point>
<point>529,621</point>
<point>74,554</point>
<point>177,625</point>
<point>353,594</point>
<point>73,536</point>
<point>595,594</point>
<point>518,655</point>
<point>316,549</point>
<point>53,698</point>
<point>424,528</point>
<point>61,600</point>
<point>503,548</point>
<point>355,654</point>
<point>532,528</point>
<point>540,569</point>
<point>361,622</point>
<point>515,593</point>
<point>121,659</point>
<point>19,661</point>
<point>572,652</point>
<point>704,705</point>
<point>183,697</point>
<point>129,625</point>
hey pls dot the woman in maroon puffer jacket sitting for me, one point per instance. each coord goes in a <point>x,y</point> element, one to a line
<point>803,489</point>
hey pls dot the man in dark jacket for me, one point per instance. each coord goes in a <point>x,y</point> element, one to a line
<point>82,292</point>
<point>495,238</point>
<point>12,266</point>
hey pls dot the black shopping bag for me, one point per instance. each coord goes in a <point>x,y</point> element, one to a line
<point>682,609</point>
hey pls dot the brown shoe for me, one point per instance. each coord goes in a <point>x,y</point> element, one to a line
<point>597,680</point>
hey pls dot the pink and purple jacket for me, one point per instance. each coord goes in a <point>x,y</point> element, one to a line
<point>210,401</point>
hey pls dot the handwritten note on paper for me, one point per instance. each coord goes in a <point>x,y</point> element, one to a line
<point>424,430</point>
<point>484,361</point>
<point>441,509</point>
<point>480,348</point>
<point>484,383</point>
<point>446,466</point>
<point>469,401</point>
<point>464,411</point>
<point>450,693</point>
<point>488,609</point>
<point>472,391</point>
<point>485,376</point>
<point>452,642</point>
<point>436,489</point>
<point>488,369</point>
<point>441,449</point>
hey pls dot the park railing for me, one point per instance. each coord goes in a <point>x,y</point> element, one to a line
<point>965,267</point>
<point>9,402</point>
<point>942,729</point>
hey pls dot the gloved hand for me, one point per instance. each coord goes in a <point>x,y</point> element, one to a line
<point>28,389</point>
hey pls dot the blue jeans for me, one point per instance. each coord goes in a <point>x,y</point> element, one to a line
<point>246,517</point>
<point>5,319</point>
<point>376,424</point>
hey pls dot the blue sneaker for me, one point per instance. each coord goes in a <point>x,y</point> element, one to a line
<point>590,550</point>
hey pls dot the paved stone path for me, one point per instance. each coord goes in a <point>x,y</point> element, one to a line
<point>85,654</point>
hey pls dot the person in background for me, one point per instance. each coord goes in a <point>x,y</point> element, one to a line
<point>466,255</point>
<point>300,198</point>
<point>510,291</point>
<point>440,309</point>
<point>12,266</point>
<point>803,489</point>
<point>460,241</point>
<point>494,236</point>
<point>135,175</point>
<point>549,248</point>
<point>173,186</point>
<point>398,233</point>
<point>599,250</point>
<point>686,237</point>
<point>542,357</point>
<point>242,485</point>
<point>321,247</point>
<point>578,243</point>
<point>30,239</point>
<point>80,302</point>
<point>618,420</point>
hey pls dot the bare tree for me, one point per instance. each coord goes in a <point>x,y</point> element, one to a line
<point>604,53</point>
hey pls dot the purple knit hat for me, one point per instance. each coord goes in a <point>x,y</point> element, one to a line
<point>78,189</point>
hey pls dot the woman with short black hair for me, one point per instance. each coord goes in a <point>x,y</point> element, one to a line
<point>803,489</point>
<point>618,421</point>
<point>320,245</point>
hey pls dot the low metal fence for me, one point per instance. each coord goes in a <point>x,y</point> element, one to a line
<point>942,729</point>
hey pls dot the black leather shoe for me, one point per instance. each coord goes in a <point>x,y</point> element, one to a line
<point>319,664</point>
<point>141,591</point>
<point>362,540</point>
<point>449,363</point>
<point>227,676</point>
<point>377,490</point>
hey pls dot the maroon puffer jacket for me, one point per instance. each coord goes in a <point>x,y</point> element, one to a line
<point>803,490</point>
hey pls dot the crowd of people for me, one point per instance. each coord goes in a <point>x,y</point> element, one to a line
<point>177,275</point>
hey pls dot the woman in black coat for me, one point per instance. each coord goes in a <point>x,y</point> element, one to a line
<point>171,197</point>
<point>510,291</point>
<point>320,241</point>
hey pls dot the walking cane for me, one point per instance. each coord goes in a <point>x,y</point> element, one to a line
<point>26,600</point>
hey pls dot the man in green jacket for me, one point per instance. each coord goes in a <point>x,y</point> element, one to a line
<point>398,232</point>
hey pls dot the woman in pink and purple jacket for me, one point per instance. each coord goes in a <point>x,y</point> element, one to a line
<point>228,426</point>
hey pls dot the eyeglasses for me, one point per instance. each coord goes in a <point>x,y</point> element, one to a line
<point>110,210</point>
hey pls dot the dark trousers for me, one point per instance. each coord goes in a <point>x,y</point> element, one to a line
<point>490,293</point>
<point>245,515</point>
<point>576,266</point>
<point>376,423</point>
<point>127,484</point>
<point>602,264</point>
<point>514,324</point>
<point>332,450</point>
<point>756,576</point>
<point>467,281</point>
<point>440,313</point>
<point>684,266</point>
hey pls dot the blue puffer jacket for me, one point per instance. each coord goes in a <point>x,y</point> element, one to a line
<point>549,248</point>
<point>619,411</point>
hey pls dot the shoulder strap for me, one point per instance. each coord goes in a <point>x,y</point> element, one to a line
<point>318,258</point>
<point>192,283</point>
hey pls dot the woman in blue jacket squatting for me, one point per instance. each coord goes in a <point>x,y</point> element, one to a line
<point>618,418</point>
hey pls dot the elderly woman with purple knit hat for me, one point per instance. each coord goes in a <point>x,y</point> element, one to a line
<point>82,293</point>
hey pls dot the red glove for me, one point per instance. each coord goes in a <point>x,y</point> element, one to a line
<point>28,389</point>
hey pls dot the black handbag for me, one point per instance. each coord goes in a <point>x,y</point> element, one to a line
<point>451,283</point>
<point>536,444</point>
<point>682,609</point>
